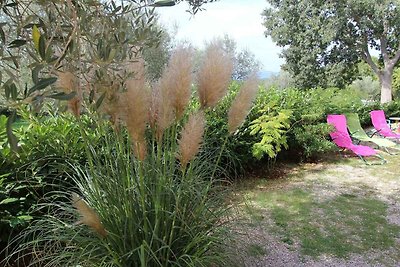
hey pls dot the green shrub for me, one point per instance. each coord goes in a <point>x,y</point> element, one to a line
<point>235,152</point>
<point>392,109</point>
<point>308,134</point>
<point>313,139</point>
<point>303,130</point>
<point>54,136</point>
<point>47,143</point>
<point>14,211</point>
<point>4,148</point>
<point>272,128</point>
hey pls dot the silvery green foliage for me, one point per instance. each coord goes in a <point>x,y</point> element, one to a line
<point>94,39</point>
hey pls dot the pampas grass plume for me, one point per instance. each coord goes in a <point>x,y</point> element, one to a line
<point>191,138</point>
<point>137,106</point>
<point>154,109</point>
<point>162,110</point>
<point>88,216</point>
<point>140,149</point>
<point>69,83</point>
<point>242,104</point>
<point>177,79</point>
<point>214,75</point>
<point>135,103</point>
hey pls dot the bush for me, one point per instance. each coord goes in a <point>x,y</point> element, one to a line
<point>271,127</point>
<point>14,207</point>
<point>291,119</point>
<point>392,109</point>
<point>235,151</point>
<point>47,143</point>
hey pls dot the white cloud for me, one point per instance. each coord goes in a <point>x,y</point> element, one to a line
<point>240,19</point>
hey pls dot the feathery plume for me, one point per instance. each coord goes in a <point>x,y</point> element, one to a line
<point>69,83</point>
<point>191,138</point>
<point>171,94</point>
<point>140,149</point>
<point>88,216</point>
<point>155,99</point>
<point>214,75</point>
<point>163,110</point>
<point>135,104</point>
<point>178,78</point>
<point>242,104</point>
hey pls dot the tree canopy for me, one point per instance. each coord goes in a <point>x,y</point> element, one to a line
<point>323,40</point>
<point>244,61</point>
<point>96,40</point>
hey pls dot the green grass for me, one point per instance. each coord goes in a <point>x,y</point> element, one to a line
<point>256,250</point>
<point>390,170</point>
<point>339,226</point>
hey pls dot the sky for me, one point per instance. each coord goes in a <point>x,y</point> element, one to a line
<point>240,19</point>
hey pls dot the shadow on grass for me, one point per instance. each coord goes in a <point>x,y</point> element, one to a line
<point>339,226</point>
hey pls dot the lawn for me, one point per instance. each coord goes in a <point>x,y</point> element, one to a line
<point>340,213</point>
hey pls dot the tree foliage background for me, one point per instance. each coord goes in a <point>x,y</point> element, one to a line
<point>97,41</point>
<point>324,40</point>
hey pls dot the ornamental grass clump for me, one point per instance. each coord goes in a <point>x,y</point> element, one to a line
<point>145,197</point>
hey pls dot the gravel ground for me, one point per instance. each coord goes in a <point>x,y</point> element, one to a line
<point>327,180</point>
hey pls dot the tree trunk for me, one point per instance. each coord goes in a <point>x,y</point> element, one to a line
<point>385,79</point>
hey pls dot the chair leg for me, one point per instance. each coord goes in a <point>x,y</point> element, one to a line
<point>383,161</point>
<point>388,151</point>
<point>341,151</point>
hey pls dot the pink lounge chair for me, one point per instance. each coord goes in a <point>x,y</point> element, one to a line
<point>382,128</point>
<point>343,140</point>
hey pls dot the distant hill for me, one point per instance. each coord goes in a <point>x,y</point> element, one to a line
<point>265,74</point>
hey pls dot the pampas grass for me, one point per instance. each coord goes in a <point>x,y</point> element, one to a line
<point>161,111</point>
<point>136,101</point>
<point>177,79</point>
<point>69,83</point>
<point>88,216</point>
<point>135,104</point>
<point>140,149</point>
<point>156,209</point>
<point>191,138</point>
<point>242,104</point>
<point>214,75</point>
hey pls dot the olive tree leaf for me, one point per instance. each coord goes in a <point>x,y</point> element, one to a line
<point>62,96</point>
<point>42,83</point>
<point>17,43</point>
<point>163,3</point>
<point>36,36</point>
<point>42,47</point>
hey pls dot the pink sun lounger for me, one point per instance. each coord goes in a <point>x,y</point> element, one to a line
<point>381,126</point>
<point>343,140</point>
